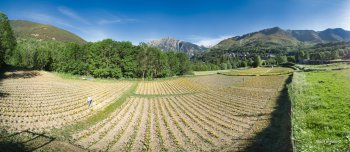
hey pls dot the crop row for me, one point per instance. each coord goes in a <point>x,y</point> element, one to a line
<point>196,122</point>
<point>44,102</point>
<point>219,81</point>
<point>176,86</point>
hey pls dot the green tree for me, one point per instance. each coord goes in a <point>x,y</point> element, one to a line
<point>185,66</point>
<point>173,62</point>
<point>229,65</point>
<point>281,59</point>
<point>335,55</point>
<point>43,59</point>
<point>146,61</point>
<point>7,39</point>
<point>291,59</point>
<point>257,61</point>
<point>72,59</point>
<point>327,55</point>
<point>104,60</point>
<point>128,54</point>
<point>321,56</point>
<point>162,65</point>
<point>341,52</point>
<point>223,66</point>
<point>244,63</point>
<point>300,56</point>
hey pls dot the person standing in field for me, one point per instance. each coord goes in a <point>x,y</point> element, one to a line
<point>89,101</point>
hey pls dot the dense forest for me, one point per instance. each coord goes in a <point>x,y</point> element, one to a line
<point>105,59</point>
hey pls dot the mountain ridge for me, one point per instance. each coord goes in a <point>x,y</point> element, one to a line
<point>30,29</point>
<point>172,44</point>
<point>274,36</point>
<point>281,37</point>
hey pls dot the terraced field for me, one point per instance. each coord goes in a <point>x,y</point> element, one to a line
<point>259,71</point>
<point>43,101</point>
<point>201,120</point>
<point>162,87</point>
<point>204,113</point>
<point>219,81</point>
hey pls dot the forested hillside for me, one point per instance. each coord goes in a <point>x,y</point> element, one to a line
<point>28,29</point>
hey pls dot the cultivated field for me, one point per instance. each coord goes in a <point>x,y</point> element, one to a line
<point>39,101</point>
<point>218,81</point>
<point>259,71</point>
<point>203,119</point>
<point>161,87</point>
<point>202,113</point>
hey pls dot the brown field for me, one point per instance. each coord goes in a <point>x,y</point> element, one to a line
<point>42,101</point>
<point>204,113</point>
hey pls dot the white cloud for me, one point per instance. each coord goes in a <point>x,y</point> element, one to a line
<point>208,41</point>
<point>104,21</point>
<point>113,21</point>
<point>94,35</point>
<point>67,12</point>
<point>88,34</point>
<point>47,19</point>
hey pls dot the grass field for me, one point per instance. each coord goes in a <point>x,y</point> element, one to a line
<point>259,71</point>
<point>324,67</point>
<point>45,112</point>
<point>321,110</point>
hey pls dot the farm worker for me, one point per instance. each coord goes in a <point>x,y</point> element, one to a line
<point>89,101</point>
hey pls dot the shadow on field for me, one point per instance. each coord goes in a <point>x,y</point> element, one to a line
<point>20,74</point>
<point>15,73</point>
<point>10,146</point>
<point>24,141</point>
<point>2,94</point>
<point>276,136</point>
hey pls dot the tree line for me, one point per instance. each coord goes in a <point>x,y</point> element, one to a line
<point>241,57</point>
<point>268,55</point>
<point>7,39</point>
<point>328,51</point>
<point>103,59</point>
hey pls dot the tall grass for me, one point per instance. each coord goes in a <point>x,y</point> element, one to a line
<point>321,110</point>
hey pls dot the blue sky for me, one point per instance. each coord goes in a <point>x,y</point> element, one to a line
<point>198,21</point>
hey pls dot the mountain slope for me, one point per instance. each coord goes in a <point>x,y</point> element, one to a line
<point>279,37</point>
<point>171,44</point>
<point>271,36</point>
<point>28,29</point>
<point>306,35</point>
<point>337,34</point>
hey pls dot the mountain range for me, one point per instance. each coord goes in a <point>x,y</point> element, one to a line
<point>277,36</point>
<point>264,38</point>
<point>172,44</point>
